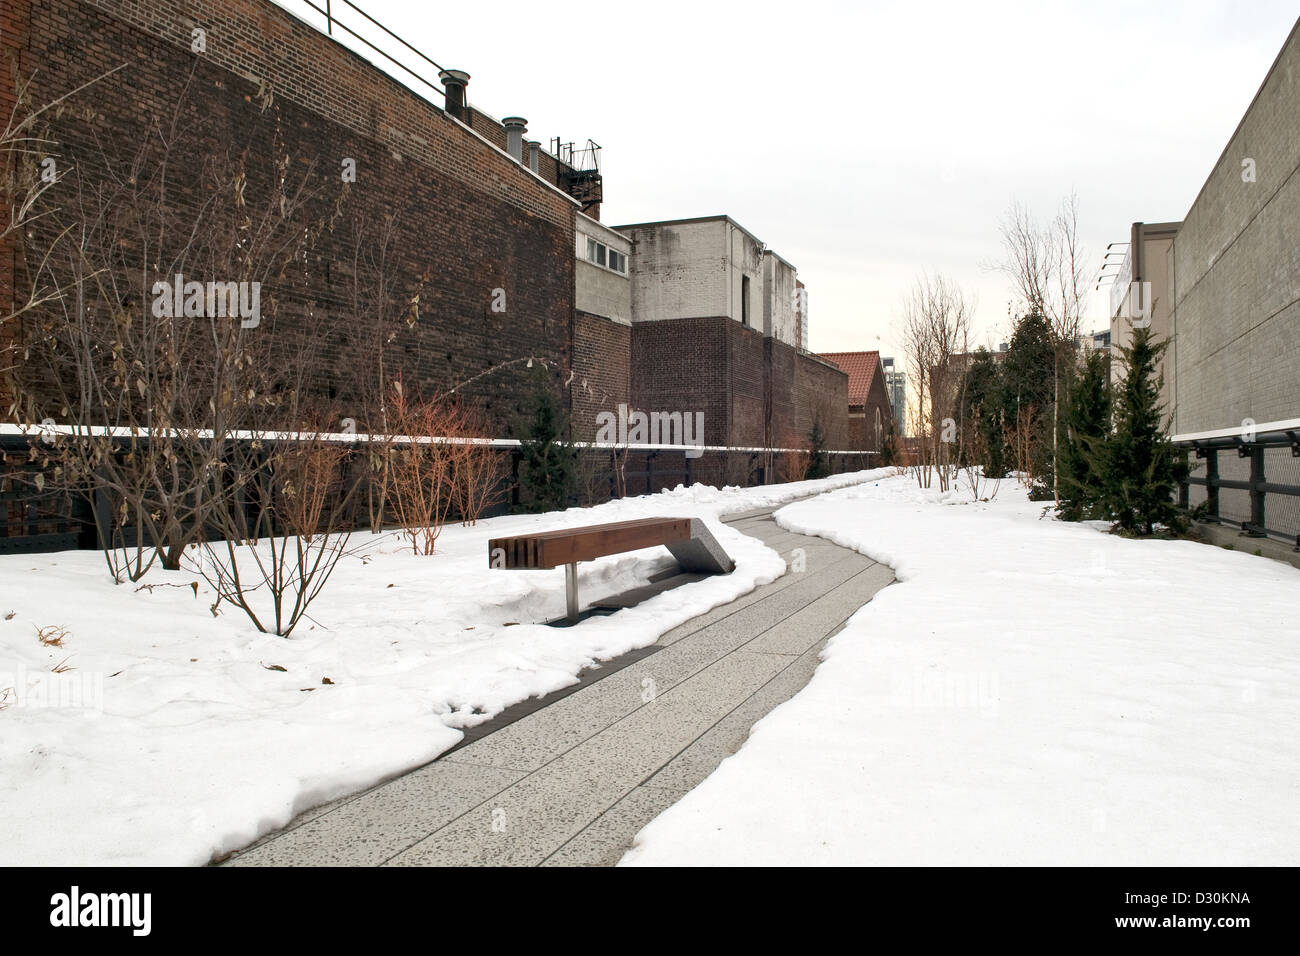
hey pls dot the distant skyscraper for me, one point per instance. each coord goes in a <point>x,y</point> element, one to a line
<point>896,386</point>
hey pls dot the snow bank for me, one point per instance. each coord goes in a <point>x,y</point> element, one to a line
<point>183,736</point>
<point>1031,692</point>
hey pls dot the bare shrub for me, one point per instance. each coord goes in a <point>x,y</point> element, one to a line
<point>795,461</point>
<point>146,400</point>
<point>477,469</point>
<point>423,466</point>
<point>936,322</point>
<point>282,509</point>
<point>1020,438</point>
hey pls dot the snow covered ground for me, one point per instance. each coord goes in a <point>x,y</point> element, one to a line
<point>178,740</point>
<point>1031,692</point>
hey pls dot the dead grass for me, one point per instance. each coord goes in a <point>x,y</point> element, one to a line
<point>52,635</point>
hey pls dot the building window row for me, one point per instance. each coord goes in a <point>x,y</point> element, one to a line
<point>602,255</point>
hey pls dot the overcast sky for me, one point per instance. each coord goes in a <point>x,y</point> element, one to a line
<point>866,142</point>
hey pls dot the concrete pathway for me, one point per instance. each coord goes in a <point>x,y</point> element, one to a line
<point>571,778</point>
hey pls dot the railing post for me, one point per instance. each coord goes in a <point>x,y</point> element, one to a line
<point>516,456</point>
<point>650,472</point>
<point>1212,483</point>
<point>1257,519</point>
<point>687,458</point>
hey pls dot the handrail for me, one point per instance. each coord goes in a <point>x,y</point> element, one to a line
<point>1261,428</point>
<point>332,21</point>
<point>103,431</point>
<point>1249,443</point>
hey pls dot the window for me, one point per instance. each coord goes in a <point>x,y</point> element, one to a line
<point>602,255</point>
<point>744,301</point>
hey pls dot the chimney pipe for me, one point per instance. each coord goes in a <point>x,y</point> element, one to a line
<point>515,126</point>
<point>454,82</point>
<point>534,154</point>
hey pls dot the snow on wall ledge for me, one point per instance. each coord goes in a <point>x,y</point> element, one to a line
<point>1031,692</point>
<point>185,745</point>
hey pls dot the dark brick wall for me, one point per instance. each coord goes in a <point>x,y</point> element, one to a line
<point>683,365</point>
<point>858,438</point>
<point>469,216</point>
<point>877,398</point>
<point>821,392</point>
<point>862,421</point>
<point>601,374</point>
<point>747,385</point>
<point>754,391</point>
<point>14,17</point>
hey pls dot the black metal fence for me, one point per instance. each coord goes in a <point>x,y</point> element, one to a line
<point>1250,481</point>
<point>37,515</point>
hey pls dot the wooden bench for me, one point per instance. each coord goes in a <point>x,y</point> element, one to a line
<point>689,540</point>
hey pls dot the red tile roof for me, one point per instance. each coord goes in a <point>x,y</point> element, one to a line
<point>861,368</point>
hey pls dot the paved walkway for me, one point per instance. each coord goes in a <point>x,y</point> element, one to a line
<point>572,780</point>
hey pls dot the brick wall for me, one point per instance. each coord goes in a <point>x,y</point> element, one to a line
<point>683,365</point>
<point>462,210</point>
<point>821,392</point>
<point>749,368</point>
<point>14,17</point>
<point>862,418</point>
<point>601,379</point>
<point>754,391</point>
<point>1236,270</point>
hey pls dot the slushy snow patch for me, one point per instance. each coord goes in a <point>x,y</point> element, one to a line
<point>1030,692</point>
<point>184,736</point>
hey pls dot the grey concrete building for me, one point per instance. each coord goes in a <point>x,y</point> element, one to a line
<point>712,266</point>
<point>1143,293</point>
<point>601,283</point>
<point>1234,270</point>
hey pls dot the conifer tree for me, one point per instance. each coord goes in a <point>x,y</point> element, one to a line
<point>982,416</point>
<point>549,458</point>
<point>1086,424</point>
<point>1140,468</point>
<point>889,446</point>
<point>1028,399</point>
<point>819,465</point>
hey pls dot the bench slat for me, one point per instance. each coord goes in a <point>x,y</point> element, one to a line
<point>550,549</point>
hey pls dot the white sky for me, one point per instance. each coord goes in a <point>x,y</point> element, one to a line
<point>867,142</point>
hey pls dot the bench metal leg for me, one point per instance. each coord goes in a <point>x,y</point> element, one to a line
<point>571,589</point>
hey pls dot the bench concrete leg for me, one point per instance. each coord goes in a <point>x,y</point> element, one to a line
<point>571,590</point>
<point>702,552</point>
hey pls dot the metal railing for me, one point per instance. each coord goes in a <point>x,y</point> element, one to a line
<point>1247,477</point>
<point>36,515</point>
<point>332,21</point>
